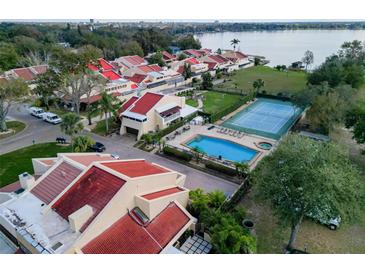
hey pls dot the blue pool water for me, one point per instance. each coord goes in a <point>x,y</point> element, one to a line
<point>265,117</point>
<point>216,147</point>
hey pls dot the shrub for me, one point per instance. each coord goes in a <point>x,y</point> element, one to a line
<point>177,153</point>
<point>220,168</point>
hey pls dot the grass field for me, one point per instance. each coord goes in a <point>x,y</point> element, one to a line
<point>16,126</point>
<point>16,162</point>
<point>216,101</point>
<point>192,102</point>
<point>100,127</point>
<point>275,81</point>
<point>313,237</point>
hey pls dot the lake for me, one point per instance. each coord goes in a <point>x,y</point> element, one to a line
<point>283,47</point>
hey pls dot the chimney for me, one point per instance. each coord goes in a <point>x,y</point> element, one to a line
<point>79,217</point>
<point>26,180</point>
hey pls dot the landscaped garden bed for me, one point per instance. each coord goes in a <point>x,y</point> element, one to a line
<point>14,127</point>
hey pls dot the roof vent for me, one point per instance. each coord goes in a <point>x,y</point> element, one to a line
<point>139,215</point>
<point>26,180</point>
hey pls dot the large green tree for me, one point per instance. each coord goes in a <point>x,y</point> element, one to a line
<point>132,48</point>
<point>355,119</point>
<point>157,58</point>
<point>207,82</point>
<point>8,57</point>
<point>46,84</point>
<point>303,176</point>
<point>10,91</point>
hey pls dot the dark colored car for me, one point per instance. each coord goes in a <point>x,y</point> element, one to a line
<point>98,147</point>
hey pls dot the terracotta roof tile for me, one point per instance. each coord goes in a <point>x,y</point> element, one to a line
<point>127,237</point>
<point>127,104</point>
<point>135,168</point>
<point>162,193</point>
<point>111,75</point>
<point>55,182</point>
<point>25,73</point>
<point>136,78</point>
<point>95,188</point>
<point>86,160</point>
<point>145,103</point>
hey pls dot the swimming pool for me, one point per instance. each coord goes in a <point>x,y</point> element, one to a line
<point>266,117</point>
<point>225,149</point>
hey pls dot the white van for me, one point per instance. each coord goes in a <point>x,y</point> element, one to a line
<point>51,118</point>
<point>36,112</point>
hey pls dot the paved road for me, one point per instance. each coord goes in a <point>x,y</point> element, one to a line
<point>42,132</point>
<point>36,130</point>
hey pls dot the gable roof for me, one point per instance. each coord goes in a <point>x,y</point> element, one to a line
<point>135,168</point>
<point>167,56</point>
<point>218,58</point>
<point>126,236</point>
<point>194,52</point>
<point>192,61</point>
<point>111,75</point>
<point>127,104</point>
<point>40,69</point>
<point>145,103</point>
<point>102,64</point>
<point>95,188</point>
<point>211,65</point>
<point>55,182</point>
<point>150,68</point>
<point>133,60</point>
<point>25,73</point>
<point>136,78</point>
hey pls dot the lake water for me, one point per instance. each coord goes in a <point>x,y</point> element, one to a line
<point>284,47</point>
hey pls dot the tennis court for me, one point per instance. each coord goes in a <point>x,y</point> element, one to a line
<point>266,117</point>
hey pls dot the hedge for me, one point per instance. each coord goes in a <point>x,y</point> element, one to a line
<point>221,168</point>
<point>172,127</point>
<point>177,153</point>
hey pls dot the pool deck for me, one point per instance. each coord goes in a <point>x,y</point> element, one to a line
<point>249,141</point>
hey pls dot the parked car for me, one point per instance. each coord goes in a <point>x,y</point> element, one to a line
<point>322,217</point>
<point>51,118</point>
<point>36,112</point>
<point>97,147</point>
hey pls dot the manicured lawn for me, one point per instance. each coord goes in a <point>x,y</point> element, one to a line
<point>14,125</point>
<point>216,101</point>
<point>100,128</point>
<point>275,81</point>
<point>16,162</point>
<point>192,102</point>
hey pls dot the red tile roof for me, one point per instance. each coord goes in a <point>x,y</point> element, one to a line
<point>104,64</point>
<point>55,182</point>
<point>133,60</point>
<point>95,188</point>
<point>194,52</point>
<point>136,78</point>
<point>150,68</point>
<point>211,65</point>
<point>97,97</point>
<point>40,69</point>
<point>86,160</point>
<point>192,61</point>
<point>48,162</point>
<point>219,59</point>
<point>146,103</point>
<point>127,104</point>
<point>135,168</point>
<point>25,73</point>
<point>111,75</point>
<point>167,56</point>
<point>126,236</point>
<point>162,193</point>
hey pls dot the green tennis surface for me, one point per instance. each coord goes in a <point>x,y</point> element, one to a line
<point>265,117</point>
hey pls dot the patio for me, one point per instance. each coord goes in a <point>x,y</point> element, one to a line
<point>181,136</point>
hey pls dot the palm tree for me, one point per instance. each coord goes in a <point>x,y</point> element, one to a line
<point>71,125</point>
<point>82,143</point>
<point>108,107</point>
<point>234,43</point>
<point>258,84</point>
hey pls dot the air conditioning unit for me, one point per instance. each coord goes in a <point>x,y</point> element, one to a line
<point>26,180</point>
